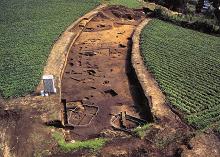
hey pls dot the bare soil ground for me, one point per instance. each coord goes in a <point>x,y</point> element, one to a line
<point>98,70</point>
<point>22,126</point>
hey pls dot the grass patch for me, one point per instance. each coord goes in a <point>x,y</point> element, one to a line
<point>127,3</point>
<point>186,65</point>
<point>93,144</point>
<point>142,131</point>
<point>28,29</point>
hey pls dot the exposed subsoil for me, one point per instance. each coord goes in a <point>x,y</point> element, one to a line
<point>98,71</point>
<point>22,129</point>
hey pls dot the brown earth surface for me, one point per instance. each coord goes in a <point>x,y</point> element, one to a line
<point>98,71</point>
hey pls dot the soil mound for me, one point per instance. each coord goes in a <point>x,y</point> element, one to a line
<point>122,12</point>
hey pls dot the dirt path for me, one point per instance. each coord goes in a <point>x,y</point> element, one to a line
<point>98,70</point>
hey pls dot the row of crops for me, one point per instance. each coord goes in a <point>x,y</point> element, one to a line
<point>127,3</point>
<point>186,64</point>
<point>28,29</point>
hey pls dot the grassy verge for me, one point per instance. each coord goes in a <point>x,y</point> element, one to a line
<point>186,65</point>
<point>127,3</point>
<point>93,144</point>
<point>142,131</point>
<point>28,29</point>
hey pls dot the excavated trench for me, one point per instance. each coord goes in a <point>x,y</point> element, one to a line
<point>98,80</point>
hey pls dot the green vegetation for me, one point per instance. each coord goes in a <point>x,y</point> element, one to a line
<point>186,64</point>
<point>89,144</point>
<point>127,3</point>
<point>197,22</point>
<point>28,29</point>
<point>142,131</point>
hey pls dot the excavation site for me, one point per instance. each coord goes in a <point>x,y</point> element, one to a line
<point>114,83</point>
<point>99,89</point>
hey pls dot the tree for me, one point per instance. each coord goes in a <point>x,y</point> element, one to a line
<point>199,6</point>
<point>216,5</point>
<point>176,4</point>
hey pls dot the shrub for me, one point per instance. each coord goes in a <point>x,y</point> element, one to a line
<point>199,23</point>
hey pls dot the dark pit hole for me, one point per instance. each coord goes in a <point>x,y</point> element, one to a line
<point>178,152</point>
<point>93,87</point>
<point>102,25</point>
<point>111,92</point>
<point>129,38</point>
<point>105,82</point>
<point>89,28</point>
<point>81,25</point>
<point>91,96</point>
<point>111,70</point>
<point>189,146</point>
<point>89,53</point>
<point>128,16</point>
<point>146,10</point>
<point>86,98</point>
<point>71,64</point>
<point>71,59</point>
<point>121,45</point>
<point>91,72</point>
<point>54,123</point>
<point>116,36</point>
<point>79,63</point>
<point>67,72</point>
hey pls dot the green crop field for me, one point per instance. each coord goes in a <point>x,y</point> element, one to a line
<point>28,29</point>
<point>186,64</point>
<point>127,3</point>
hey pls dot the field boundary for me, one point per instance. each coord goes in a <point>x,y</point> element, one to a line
<point>151,90</point>
<point>156,98</point>
<point>59,52</point>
